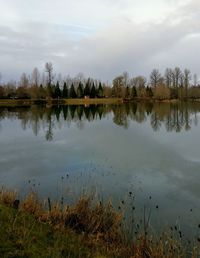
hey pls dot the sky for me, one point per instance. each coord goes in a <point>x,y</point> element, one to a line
<point>100,38</point>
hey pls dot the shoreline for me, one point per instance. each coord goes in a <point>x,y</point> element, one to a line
<point>95,101</point>
<point>29,102</point>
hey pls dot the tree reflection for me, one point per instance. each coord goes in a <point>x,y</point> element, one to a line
<point>173,117</point>
<point>49,119</point>
<point>121,115</point>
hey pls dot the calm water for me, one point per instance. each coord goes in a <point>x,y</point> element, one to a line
<point>152,151</point>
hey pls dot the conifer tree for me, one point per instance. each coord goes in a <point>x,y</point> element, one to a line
<point>127,92</point>
<point>42,92</point>
<point>65,91</point>
<point>57,91</point>
<point>93,91</point>
<point>80,90</point>
<point>53,88</point>
<point>87,88</point>
<point>150,92</point>
<point>72,92</point>
<point>133,92</point>
<point>100,91</point>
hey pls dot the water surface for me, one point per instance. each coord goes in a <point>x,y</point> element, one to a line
<point>139,155</point>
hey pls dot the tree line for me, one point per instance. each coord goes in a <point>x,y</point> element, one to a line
<point>173,84</point>
<point>49,87</point>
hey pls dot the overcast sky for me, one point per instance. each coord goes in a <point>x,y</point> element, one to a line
<point>101,38</point>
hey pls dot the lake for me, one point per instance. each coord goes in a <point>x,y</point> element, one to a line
<point>145,157</point>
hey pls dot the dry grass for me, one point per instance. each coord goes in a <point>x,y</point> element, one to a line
<point>7,197</point>
<point>93,101</point>
<point>101,227</point>
<point>28,102</point>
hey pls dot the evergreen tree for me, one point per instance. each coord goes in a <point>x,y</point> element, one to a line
<point>100,91</point>
<point>147,91</point>
<point>150,92</point>
<point>53,89</point>
<point>133,92</point>
<point>65,91</point>
<point>87,88</point>
<point>57,91</point>
<point>72,92</point>
<point>127,92</point>
<point>80,91</point>
<point>42,93</point>
<point>93,91</point>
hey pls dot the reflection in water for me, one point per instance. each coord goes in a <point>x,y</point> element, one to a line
<point>161,165</point>
<point>174,117</point>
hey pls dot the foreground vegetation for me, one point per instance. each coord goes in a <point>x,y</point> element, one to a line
<point>23,236</point>
<point>32,228</point>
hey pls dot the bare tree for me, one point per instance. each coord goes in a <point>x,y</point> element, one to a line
<point>162,92</point>
<point>126,78</point>
<point>194,79</point>
<point>187,78</point>
<point>118,86</point>
<point>24,81</point>
<point>49,71</point>
<point>155,78</point>
<point>35,77</point>
<point>23,91</point>
<point>0,77</point>
<point>182,80</point>
<point>138,81</point>
<point>168,77</point>
<point>80,77</point>
<point>68,80</point>
<point>176,76</point>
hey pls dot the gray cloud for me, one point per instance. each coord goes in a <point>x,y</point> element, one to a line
<point>105,51</point>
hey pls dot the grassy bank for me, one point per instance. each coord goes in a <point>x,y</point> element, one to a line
<point>24,236</point>
<point>28,102</point>
<point>34,228</point>
<point>92,101</point>
<point>21,102</point>
<point>96,101</point>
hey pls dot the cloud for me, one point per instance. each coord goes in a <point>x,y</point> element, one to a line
<point>101,41</point>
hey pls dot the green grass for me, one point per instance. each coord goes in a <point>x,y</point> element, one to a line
<point>21,235</point>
